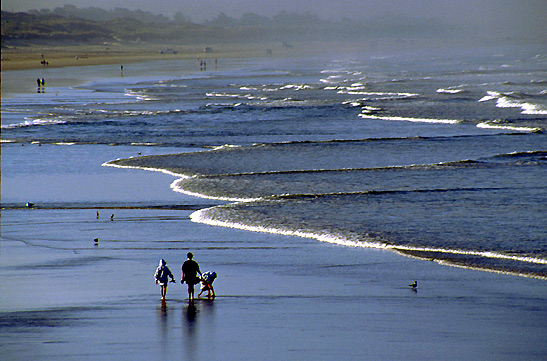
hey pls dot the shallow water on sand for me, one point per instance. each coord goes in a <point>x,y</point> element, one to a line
<point>277,296</point>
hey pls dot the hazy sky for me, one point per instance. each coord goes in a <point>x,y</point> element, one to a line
<point>482,14</point>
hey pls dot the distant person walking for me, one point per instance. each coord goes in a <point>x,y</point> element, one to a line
<point>162,277</point>
<point>190,270</point>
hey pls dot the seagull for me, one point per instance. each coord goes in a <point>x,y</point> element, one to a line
<point>96,240</point>
<point>414,285</point>
<point>30,205</point>
<point>112,217</point>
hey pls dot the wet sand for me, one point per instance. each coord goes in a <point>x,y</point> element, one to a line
<point>278,297</point>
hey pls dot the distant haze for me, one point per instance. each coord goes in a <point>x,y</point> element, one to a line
<point>507,17</point>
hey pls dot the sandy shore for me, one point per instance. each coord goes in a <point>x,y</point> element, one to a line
<point>278,297</point>
<point>20,58</point>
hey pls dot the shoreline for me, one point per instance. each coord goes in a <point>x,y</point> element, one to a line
<point>198,217</point>
<point>26,58</point>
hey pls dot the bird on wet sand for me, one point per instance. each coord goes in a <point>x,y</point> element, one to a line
<point>414,285</point>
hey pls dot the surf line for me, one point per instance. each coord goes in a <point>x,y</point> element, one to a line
<point>201,216</point>
<point>174,185</point>
<point>416,120</point>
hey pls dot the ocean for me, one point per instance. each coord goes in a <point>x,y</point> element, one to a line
<point>436,156</point>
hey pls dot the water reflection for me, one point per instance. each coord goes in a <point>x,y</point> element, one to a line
<point>197,319</point>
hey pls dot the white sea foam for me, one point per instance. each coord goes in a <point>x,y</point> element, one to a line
<point>226,146</point>
<point>505,101</point>
<point>382,95</point>
<point>490,125</point>
<point>450,91</point>
<point>34,122</point>
<point>201,216</point>
<point>295,87</point>
<point>144,144</point>
<point>140,95</point>
<point>175,186</point>
<point>369,110</point>
<point>417,120</point>
<point>165,171</point>
<point>222,95</point>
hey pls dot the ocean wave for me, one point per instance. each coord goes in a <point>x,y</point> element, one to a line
<point>496,125</point>
<point>207,216</point>
<point>515,100</point>
<point>380,95</point>
<point>34,122</point>
<point>151,169</point>
<point>452,90</point>
<point>519,155</point>
<point>144,144</point>
<point>295,87</point>
<point>234,96</point>
<point>141,95</point>
<point>405,119</point>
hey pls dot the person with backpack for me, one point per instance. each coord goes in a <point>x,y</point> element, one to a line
<point>162,277</point>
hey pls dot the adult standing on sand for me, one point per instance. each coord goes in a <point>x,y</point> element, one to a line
<point>190,270</point>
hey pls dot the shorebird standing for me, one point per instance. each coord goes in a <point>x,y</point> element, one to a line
<point>414,285</point>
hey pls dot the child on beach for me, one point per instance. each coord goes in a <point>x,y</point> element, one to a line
<point>162,274</point>
<point>207,284</point>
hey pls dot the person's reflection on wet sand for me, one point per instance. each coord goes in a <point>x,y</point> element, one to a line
<point>164,328</point>
<point>190,339</point>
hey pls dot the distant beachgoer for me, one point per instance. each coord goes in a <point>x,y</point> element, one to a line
<point>43,83</point>
<point>39,82</point>
<point>190,270</point>
<point>162,277</point>
<point>207,280</point>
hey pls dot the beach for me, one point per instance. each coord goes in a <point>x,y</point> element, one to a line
<point>287,297</point>
<point>77,268</point>
<point>67,55</point>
